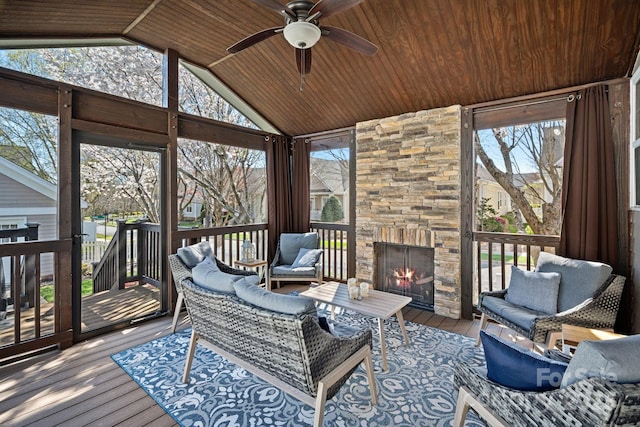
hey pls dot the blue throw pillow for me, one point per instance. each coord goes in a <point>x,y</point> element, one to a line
<point>306,258</point>
<point>512,366</point>
<point>535,290</point>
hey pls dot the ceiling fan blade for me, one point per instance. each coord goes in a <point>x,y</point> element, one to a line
<point>331,7</point>
<point>278,7</point>
<point>349,39</point>
<point>303,60</point>
<point>253,39</point>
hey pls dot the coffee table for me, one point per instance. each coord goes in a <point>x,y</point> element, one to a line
<point>378,304</point>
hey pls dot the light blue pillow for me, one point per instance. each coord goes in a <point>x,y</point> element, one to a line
<point>280,303</point>
<point>194,254</point>
<point>579,281</point>
<point>615,360</point>
<point>207,275</point>
<point>515,367</point>
<point>534,290</point>
<point>306,258</point>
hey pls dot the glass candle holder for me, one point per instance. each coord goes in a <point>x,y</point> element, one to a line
<point>364,289</point>
<point>354,292</point>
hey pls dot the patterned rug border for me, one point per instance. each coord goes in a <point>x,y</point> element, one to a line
<point>406,408</point>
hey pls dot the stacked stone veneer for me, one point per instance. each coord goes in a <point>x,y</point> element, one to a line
<point>408,192</point>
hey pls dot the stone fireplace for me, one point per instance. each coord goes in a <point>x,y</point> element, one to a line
<point>408,193</point>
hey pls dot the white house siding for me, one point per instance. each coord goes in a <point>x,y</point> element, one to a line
<point>14,194</point>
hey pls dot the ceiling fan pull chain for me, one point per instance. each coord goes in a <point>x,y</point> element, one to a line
<point>302,65</point>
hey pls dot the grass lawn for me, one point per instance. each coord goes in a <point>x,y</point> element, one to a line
<point>522,259</point>
<point>46,292</point>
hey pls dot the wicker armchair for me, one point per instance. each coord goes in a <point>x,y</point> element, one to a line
<point>288,246</point>
<point>290,351</point>
<point>180,271</point>
<point>589,402</point>
<point>599,311</point>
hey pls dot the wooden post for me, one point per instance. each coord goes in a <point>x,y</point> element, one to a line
<point>121,235</point>
<point>169,220</point>
<point>29,277</point>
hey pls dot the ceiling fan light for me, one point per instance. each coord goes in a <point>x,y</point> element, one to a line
<point>301,34</point>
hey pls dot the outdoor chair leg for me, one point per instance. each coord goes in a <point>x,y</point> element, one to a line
<point>193,342</point>
<point>483,324</point>
<point>176,313</point>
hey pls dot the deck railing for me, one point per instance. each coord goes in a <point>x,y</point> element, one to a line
<point>496,252</point>
<point>333,241</point>
<point>133,255</point>
<point>31,322</point>
<point>227,241</point>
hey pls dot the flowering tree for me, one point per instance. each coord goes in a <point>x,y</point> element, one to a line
<point>128,178</point>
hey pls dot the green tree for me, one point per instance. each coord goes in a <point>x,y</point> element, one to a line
<point>487,217</point>
<point>332,210</point>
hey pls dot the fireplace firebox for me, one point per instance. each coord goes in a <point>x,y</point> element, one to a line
<point>405,270</point>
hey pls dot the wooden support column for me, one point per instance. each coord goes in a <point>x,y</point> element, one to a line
<point>170,208</point>
<point>466,213</point>
<point>68,162</point>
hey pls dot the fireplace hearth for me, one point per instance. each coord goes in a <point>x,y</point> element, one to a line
<point>405,270</point>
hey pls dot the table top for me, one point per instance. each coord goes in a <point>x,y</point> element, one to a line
<point>378,304</point>
<point>576,334</point>
<point>250,263</point>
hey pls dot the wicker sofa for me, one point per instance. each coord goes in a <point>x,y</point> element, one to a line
<point>288,350</point>
<point>589,402</point>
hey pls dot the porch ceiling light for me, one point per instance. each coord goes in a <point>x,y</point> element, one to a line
<point>301,34</point>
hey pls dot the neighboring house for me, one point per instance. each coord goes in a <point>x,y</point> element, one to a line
<point>489,189</point>
<point>328,178</point>
<point>27,198</point>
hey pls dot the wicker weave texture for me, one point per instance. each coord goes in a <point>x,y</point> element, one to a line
<point>290,347</point>
<point>600,311</point>
<point>590,402</point>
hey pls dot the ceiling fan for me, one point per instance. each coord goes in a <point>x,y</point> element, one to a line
<point>302,29</point>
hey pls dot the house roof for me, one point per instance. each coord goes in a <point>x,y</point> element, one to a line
<point>431,53</point>
<point>27,178</point>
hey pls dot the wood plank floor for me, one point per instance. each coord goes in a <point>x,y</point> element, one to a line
<point>82,386</point>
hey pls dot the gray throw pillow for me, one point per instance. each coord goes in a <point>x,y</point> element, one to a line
<point>194,254</point>
<point>533,290</point>
<point>579,281</point>
<point>280,303</point>
<point>207,275</point>
<point>616,360</point>
<point>306,258</point>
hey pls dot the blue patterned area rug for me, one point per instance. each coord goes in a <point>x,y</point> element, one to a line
<point>417,390</point>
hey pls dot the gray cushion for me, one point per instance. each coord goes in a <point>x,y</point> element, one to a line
<point>207,275</point>
<point>286,270</point>
<point>516,314</point>
<point>194,254</point>
<point>287,304</point>
<point>579,281</point>
<point>306,258</point>
<point>290,244</point>
<point>535,290</point>
<point>615,360</point>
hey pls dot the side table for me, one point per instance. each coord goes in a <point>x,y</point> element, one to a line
<point>573,335</point>
<point>260,265</point>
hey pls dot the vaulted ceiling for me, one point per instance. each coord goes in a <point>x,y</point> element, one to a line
<point>432,53</point>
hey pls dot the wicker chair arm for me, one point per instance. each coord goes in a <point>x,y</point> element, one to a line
<point>333,351</point>
<point>179,271</point>
<point>276,259</point>
<point>593,401</point>
<point>230,270</point>
<point>600,311</point>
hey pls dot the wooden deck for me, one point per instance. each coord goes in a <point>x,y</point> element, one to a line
<point>83,386</point>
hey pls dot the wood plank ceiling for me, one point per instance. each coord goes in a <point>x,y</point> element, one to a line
<point>432,53</point>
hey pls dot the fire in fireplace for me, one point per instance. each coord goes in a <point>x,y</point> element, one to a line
<point>405,270</point>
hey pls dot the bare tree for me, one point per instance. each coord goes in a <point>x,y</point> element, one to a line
<point>539,145</point>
